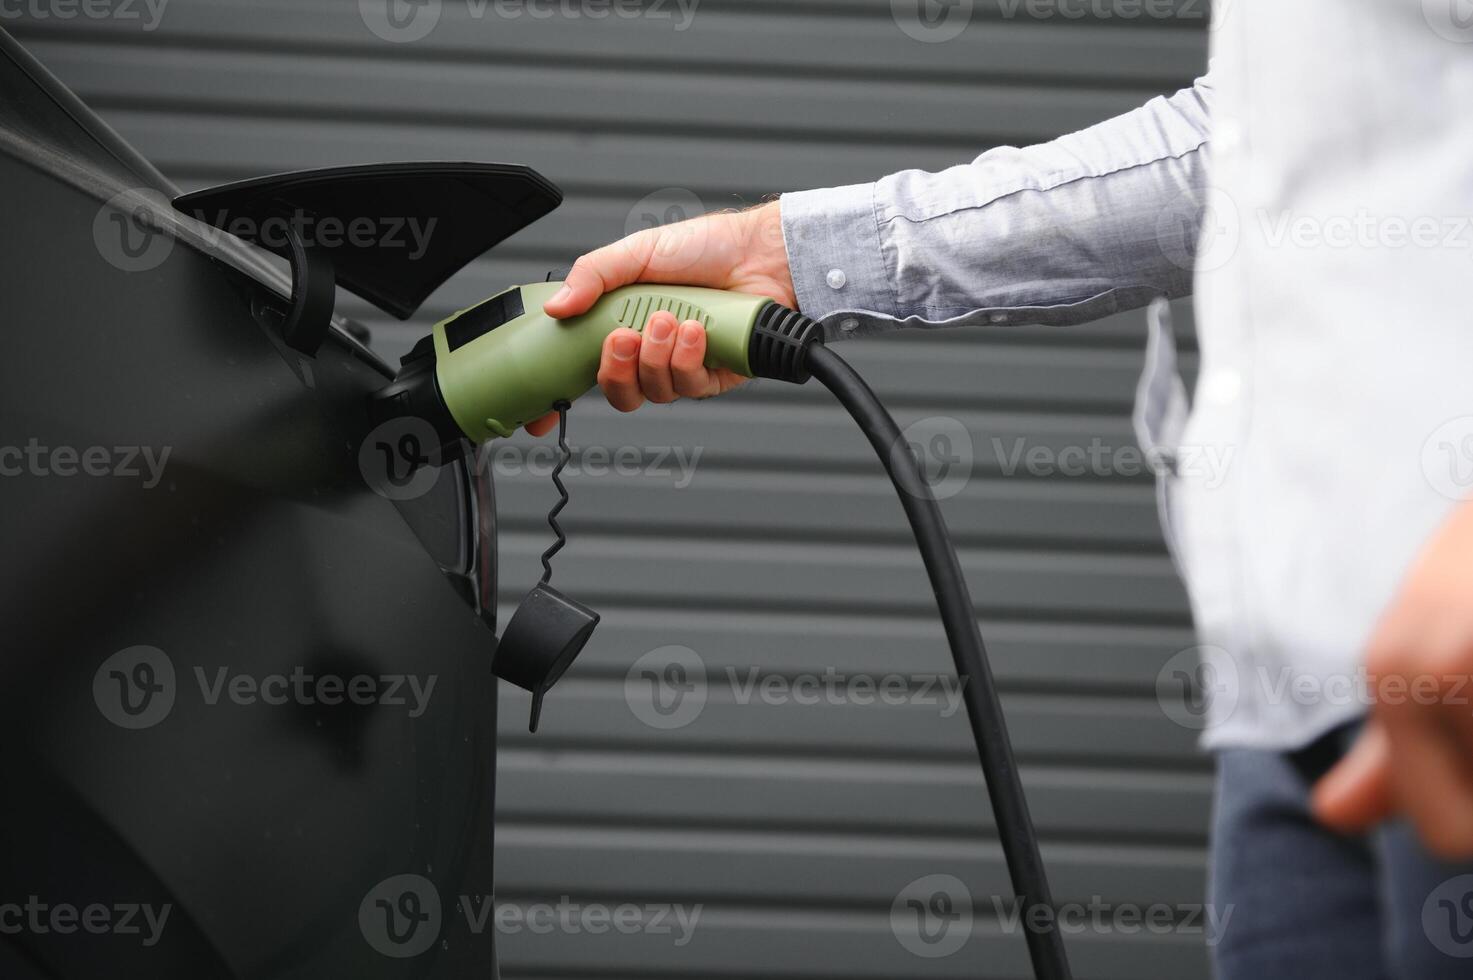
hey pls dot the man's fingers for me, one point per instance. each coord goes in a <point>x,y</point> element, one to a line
<point>618,371</point>
<point>654,358</point>
<point>1356,794</point>
<point>599,271</point>
<point>1430,779</point>
<point>688,363</point>
<point>542,426</point>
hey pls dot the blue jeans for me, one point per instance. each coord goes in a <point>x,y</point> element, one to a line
<point>1307,904</point>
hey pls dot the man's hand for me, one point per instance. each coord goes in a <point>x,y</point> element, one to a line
<point>740,250</point>
<point>1415,758</point>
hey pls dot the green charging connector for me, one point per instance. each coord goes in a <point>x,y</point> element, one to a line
<point>503,362</point>
<point>493,367</point>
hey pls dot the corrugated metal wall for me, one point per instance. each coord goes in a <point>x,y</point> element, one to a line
<point>783,550</point>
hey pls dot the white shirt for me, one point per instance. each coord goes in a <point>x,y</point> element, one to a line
<point>1326,228</point>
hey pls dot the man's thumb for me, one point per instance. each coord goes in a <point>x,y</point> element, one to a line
<point>598,272</point>
<point>578,293</point>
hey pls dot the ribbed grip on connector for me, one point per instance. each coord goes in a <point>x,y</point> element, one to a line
<point>779,345</point>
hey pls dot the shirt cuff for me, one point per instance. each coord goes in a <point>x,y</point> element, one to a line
<point>834,252</point>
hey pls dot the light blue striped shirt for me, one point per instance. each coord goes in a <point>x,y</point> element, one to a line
<point>1324,230</point>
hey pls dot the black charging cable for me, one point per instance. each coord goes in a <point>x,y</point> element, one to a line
<point>958,616</point>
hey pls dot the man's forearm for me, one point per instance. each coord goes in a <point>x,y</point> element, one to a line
<point>1061,232</point>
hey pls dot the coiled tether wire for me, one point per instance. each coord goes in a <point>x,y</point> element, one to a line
<point>564,454</point>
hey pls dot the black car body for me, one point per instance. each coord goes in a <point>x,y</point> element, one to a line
<point>194,551</point>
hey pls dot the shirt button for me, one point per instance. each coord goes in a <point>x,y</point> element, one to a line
<point>1222,387</point>
<point>836,278</point>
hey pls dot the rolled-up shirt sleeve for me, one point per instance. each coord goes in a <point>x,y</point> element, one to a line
<point>1062,232</point>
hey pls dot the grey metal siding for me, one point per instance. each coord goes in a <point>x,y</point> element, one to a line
<point>784,550</point>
